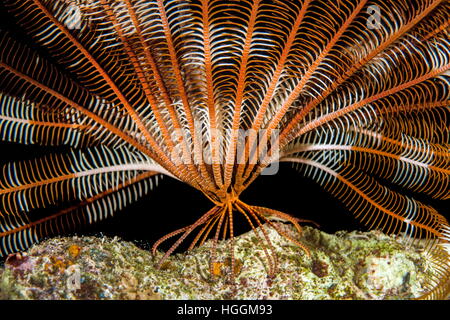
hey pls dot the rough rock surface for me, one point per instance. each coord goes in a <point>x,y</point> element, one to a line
<point>346,265</point>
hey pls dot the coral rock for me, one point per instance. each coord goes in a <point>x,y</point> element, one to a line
<point>346,265</point>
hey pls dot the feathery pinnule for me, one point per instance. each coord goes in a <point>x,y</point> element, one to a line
<point>212,93</point>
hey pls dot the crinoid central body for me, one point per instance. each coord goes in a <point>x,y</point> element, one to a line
<point>215,93</point>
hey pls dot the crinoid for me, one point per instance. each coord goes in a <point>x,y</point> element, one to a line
<point>215,93</point>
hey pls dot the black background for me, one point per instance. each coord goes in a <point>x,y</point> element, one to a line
<point>173,204</point>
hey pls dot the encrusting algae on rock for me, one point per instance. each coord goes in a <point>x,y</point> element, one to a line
<point>352,265</point>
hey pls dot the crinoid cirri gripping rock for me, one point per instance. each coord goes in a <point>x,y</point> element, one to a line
<point>352,265</point>
<point>354,93</point>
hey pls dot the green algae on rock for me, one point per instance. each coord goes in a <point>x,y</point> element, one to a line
<point>346,265</point>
